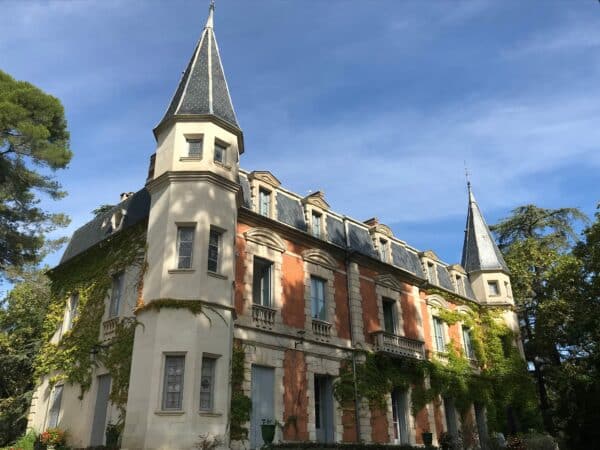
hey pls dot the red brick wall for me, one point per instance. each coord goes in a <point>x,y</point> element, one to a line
<point>342,315</point>
<point>370,308</point>
<point>295,396</point>
<point>409,306</point>
<point>422,424</point>
<point>379,426</point>
<point>292,310</point>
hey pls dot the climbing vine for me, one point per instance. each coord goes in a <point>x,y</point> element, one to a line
<point>501,384</point>
<point>70,357</point>
<point>240,403</point>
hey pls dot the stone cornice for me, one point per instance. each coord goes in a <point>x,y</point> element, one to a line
<point>184,176</point>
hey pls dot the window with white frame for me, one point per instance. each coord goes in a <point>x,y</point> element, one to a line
<point>73,309</point>
<point>185,246</point>
<point>207,383</point>
<point>55,406</point>
<point>389,315</point>
<point>438,334</point>
<point>194,146</point>
<point>493,288</point>
<point>262,282</point>
<point>317,295</point>
<point>384,250</point>
<point>116,294</point>
<point>316,226</point>
<point>468,343</point>
<point>264,202</point>
<point>215,240</point>
<point>172,398</point>
<point>220,153</point>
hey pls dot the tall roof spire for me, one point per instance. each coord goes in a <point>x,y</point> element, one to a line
<point>480,251</point>
<point>202,90</point>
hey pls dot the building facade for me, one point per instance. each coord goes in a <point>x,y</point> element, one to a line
<point>239,275</point>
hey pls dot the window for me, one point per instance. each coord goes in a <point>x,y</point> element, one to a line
<point>431,272</point>
<point>207,384</point>
<point>220,152</point>
<point>466,332</point>
<point>116,294</point>
<point>73,309</point>
<point>460,285</point>
<point>438,332</point>
<point>400,416</point>
<point>185,245</point>
<point>173,382</point>
<point>507,289</point>
<point>264,202</point>
<point>214,247</point>
<point>317,295</point>
<point>262,282</point>
<point>389,315</point>
<point>55,406</point>
<point>194,148</point>
<point>493,288</point>
<point>384,249</point>
<point>316,224</point>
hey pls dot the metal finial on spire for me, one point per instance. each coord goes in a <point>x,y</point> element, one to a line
<point>467,176</point>
<point>211,10</point>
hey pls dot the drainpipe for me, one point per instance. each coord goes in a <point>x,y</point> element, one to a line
<point>348,253</point>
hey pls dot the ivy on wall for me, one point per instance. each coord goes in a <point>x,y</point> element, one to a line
<point>240,403</point>
<point>89,275</point>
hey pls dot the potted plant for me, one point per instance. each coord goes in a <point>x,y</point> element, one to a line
<point>267,430</point>
<point>449,441</point>
<point>53,438</point>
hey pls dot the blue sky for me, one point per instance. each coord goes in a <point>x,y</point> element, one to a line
<point>378,103</point>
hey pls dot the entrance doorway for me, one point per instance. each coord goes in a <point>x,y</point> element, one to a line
<point>263,385</point>
<point>324,423</point>
<point>100,409</point>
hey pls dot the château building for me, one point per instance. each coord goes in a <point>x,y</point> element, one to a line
<point>236,276</point>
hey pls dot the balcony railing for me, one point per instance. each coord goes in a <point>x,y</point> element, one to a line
<point>321,329</point>
<point>109,328</point>
<point>263,316</point>
<point>398,345</point>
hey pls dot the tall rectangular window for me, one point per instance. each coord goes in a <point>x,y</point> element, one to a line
<point>264,202</point>
<point>317,295</point>
<point>116,294</point>
<point>431,272</point>
<point>438,331</point>
<point>400,416</point>
<point>460,285</point>
<point>384,248</point>
<point>173,382</point>
<point>194,148</point>
<point>185,246</point>
<point>316,224</point>
<point>493,288</point>
<point>214,249</point>
<point>466,332</point>
<point>389,315</point>
<point>207,384</point>
<point>262,282</point>
<point>55,406</point>
<point>507,289</point>
<point>220,152</point>
<point>73,309</point>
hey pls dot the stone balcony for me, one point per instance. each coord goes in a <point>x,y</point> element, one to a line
<point>263,317</point>
<point>398,345</point>
<point>321,329</point>
<point>109,328</point>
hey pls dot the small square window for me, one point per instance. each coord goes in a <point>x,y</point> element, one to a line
<point>207,384</point>
<point>493,288</point>
<point>194,148</point>
<point>185,246</point>
<point>264,202</point>
<point>220,152</point>
<point>214,249</point>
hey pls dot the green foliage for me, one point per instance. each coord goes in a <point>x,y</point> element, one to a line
<point>241,404</point>
<point>89,275</point>
<point>21,316</point>
<point>323,446</point>
<point>33,135</point>
<point>26,442</point>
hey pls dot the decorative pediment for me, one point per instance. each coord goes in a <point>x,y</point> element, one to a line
<point>266,237</point>
<point>436,301</point>
<point>320,257</point>
<point>389,281</point>
<point>316,199</point>
<point>430,254</point>
<point>265,176</point>
<point>464,309</point>
<point>382,229</point>
<point>457,268</point>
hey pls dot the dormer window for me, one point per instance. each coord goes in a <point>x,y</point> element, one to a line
<point>493,288</point>
<point>384,250</point>
<point>264,202</point>
<point>316,224</point>
<point>460,285</point>
<point>220,153</point>
<point>194,148</point>
<point>431,272</point>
